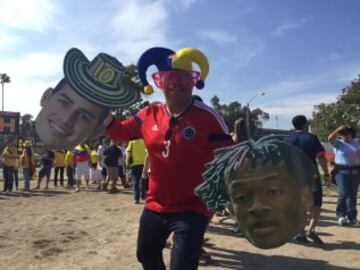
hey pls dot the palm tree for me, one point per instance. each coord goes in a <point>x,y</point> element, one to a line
<point>4,78</point>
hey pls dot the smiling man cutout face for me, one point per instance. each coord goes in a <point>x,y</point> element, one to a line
<point>74,110</point>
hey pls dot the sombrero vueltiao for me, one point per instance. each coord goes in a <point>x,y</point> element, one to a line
<point>100,81</point>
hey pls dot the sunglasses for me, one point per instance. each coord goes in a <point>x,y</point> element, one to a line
<point>182,78</point>
<point>170,130</point>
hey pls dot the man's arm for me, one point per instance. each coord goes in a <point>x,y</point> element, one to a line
<point>333,135</point>
<point>323,164</point>
<point>122,131</point>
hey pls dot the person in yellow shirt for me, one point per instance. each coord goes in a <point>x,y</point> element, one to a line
<point>69,162</point>
<point>135,157</point>
<point>59,165</point>
<point>27,162</point>
<point>9,161</point>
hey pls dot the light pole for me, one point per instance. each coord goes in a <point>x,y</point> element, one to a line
<point>4,78</point>
<point>248,112</point>
<point>277,122</point>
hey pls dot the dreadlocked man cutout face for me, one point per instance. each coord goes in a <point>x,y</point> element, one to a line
<point>267,187</point>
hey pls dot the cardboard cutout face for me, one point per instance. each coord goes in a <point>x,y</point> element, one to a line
<point>67,119</point>
<point>74,111</point>
<point>268,205</point>
<point>266,185</point>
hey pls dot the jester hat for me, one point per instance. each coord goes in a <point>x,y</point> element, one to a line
<point>165,60</point>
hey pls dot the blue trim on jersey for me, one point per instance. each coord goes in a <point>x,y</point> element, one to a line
<point>138,120</point>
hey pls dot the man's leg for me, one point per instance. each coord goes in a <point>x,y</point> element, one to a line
<point>343,192</point>
<point>10,177</point>
<point>62,176</point>
<point>151,240</point>
<point>315,212</point>
<point>144,187</point>
<point>189,229</point>
<point>16,178</point>
<point>41,175</point>
<point>6,179</point>
<point>56,173</point>
<point>353,186</point>
<point>26,173</point>
<point>136,172</point>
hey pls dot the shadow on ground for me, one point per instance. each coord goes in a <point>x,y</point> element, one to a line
<point>233,259</point>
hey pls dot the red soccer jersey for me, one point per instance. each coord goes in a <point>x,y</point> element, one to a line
<point>176,164</point>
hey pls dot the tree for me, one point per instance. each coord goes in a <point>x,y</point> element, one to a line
<point>131,78</point>
<point>4,78</point>
<point>234,110</point>
<point>346,110</point>
<point>27,126</point>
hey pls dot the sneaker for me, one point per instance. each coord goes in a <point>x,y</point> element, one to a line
<point>77,190</point>
<point>137,202</point>
<point>301,239</point>
<point>343,221</point>
<point>354,223</point>
<point>315,238</point>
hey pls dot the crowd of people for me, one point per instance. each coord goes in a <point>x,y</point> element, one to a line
<point>97,164</point>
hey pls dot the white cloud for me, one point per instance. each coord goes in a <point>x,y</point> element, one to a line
<point>184,4</point>
<point>299,95</point>
<point>8,40</point>
<point>299,104</point>
<point>30,75</point>
<point>218,36</point>
<point>33,66</point>
<point>288,26</point>
<point>138,26</point>
<point>34,15</point>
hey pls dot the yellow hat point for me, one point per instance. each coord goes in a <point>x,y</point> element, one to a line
<point>148,90</point>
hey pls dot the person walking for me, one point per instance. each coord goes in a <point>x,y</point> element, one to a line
<point>59,166</point>
<point>27,162</point>
<point>347,173</point>
<point>9,157</point>
<point>135,157</point>
<point>69,162</point>
<point>82,161</point>
<point>112,155</point>
<point>313,149</point>
<point>180,136</point>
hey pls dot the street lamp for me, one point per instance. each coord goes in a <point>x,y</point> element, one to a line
<point>248,112</point>
<point>4,78</point>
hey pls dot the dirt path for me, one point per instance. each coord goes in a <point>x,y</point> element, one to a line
<point>58,229</point>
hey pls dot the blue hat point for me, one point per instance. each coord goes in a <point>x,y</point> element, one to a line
<point>200,84</point>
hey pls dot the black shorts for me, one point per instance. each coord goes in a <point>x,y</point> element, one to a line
<point>318,193</point>
<point>45,171</point>
<point>121,171</point>
<point>104,171</point>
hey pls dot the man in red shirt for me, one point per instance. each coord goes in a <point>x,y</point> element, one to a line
<point>180,137</point>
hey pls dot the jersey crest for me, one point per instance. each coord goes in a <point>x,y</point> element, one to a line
<point>189,132</point>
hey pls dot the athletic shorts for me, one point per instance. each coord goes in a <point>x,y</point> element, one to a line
<point>113,173</point>
<point>318,193</point>
<point>45,171</point>
<point>82,170</point>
